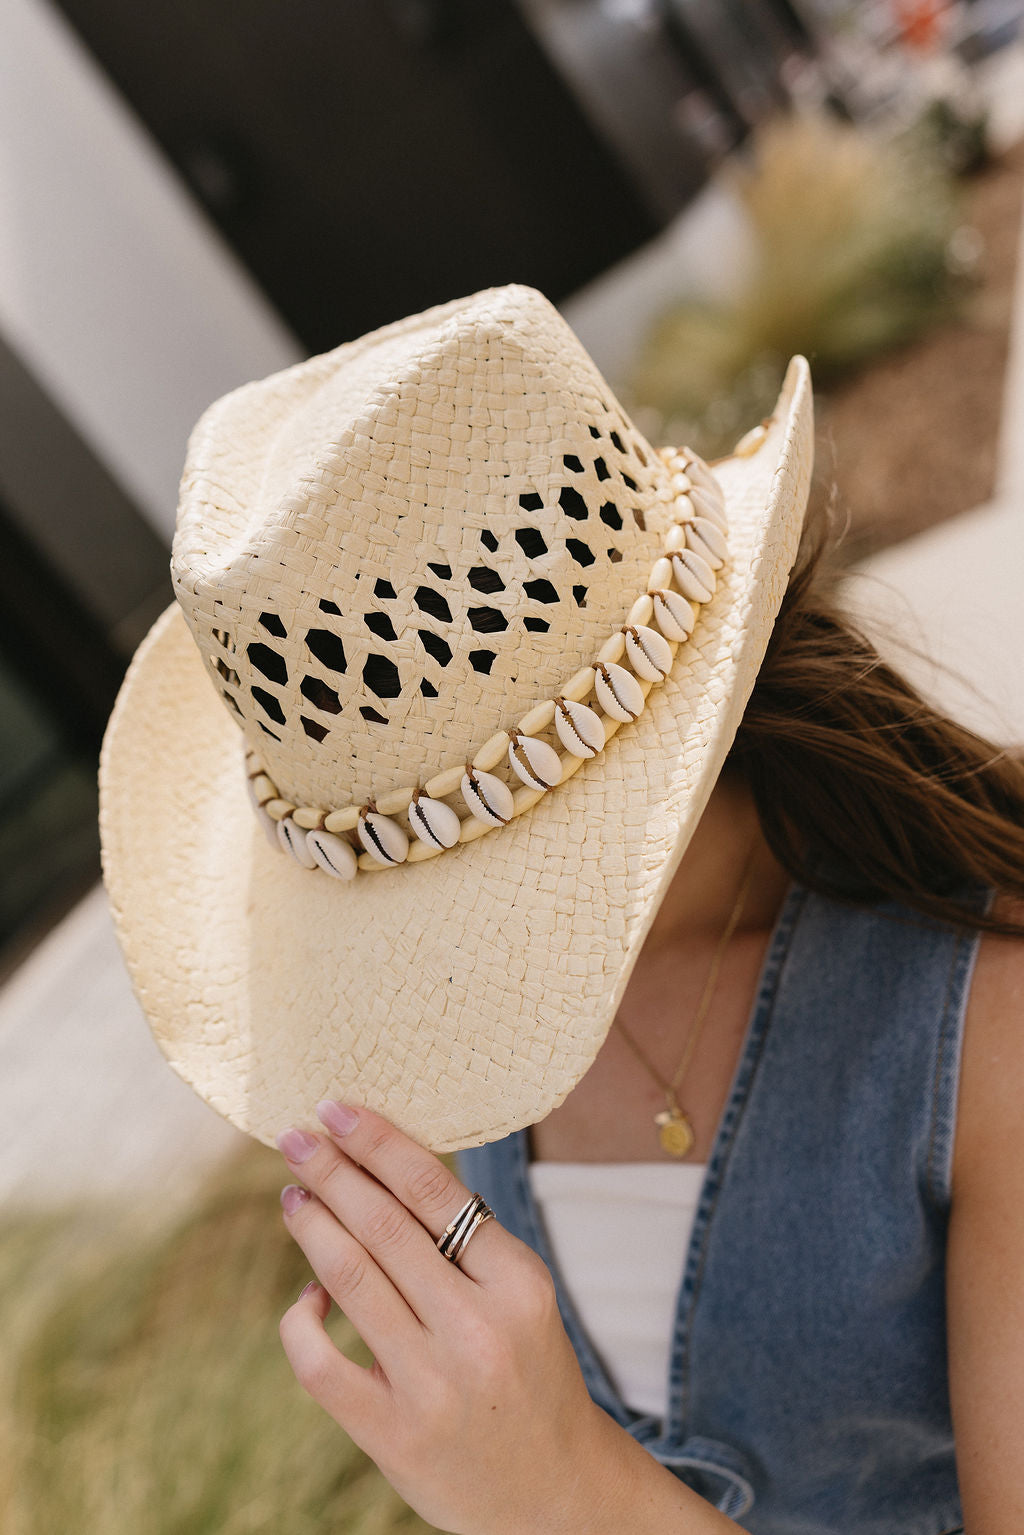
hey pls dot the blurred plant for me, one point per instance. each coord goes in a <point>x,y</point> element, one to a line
<point>851,238</point>
<point>149,1393</point>
<point>957,131</point>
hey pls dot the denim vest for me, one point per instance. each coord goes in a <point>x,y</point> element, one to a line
<point>808,1390</point>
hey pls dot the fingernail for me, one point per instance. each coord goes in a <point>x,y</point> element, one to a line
<point>292,1197</point>
<point>338,1119</point>
<point>296,1145</point>
<point>308,1289</point>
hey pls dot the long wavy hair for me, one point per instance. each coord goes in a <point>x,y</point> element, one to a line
<point>865,790</point>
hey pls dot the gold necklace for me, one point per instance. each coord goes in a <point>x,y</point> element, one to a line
<point>675,1133</point>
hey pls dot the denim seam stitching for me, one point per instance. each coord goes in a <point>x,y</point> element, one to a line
<point>737,1486</point>
<point>962,964</point>
<point>956,969</point>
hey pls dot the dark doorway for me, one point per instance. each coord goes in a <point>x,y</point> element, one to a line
<point>372,158</point>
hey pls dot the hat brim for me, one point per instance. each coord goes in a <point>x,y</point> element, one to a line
<point>465,996</point>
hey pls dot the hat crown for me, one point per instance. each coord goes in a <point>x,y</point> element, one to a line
<point>391,551</point>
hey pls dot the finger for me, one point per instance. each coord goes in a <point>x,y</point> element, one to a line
<point>355,1397</point>
<point>421,1182</point>
<point>400,1245</point>
<point>378,1312</point>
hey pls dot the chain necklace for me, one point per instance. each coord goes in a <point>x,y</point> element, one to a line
<point>675,1133</point>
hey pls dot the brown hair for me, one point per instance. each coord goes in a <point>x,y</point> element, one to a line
<point>863,789</point>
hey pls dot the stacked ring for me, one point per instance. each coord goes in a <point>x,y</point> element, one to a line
<point>455,1236</point>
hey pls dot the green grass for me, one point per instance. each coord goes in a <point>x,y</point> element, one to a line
<point>146,1391</point>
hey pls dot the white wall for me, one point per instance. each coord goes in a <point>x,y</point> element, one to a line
<point>115,289</point>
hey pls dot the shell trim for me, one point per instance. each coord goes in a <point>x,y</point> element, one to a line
<point>702,501</point>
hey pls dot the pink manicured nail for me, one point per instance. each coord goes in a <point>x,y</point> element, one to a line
<point>308,1289</point>
<point>292,1197</point>
<point>338,1119</point>
<point>296,1145</point>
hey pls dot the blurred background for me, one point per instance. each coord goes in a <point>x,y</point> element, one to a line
<point>196,195</point>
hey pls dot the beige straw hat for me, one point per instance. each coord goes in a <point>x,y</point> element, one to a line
<point>430,549</point>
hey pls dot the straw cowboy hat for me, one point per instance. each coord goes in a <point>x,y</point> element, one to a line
<point>391,792</point>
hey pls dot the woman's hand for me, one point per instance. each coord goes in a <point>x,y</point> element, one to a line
<point>475,1408</point>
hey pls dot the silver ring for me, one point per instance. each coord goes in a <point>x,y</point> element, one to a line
<point>454,1238</point>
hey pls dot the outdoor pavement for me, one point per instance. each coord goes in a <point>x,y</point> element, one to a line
<point>88,1106</point>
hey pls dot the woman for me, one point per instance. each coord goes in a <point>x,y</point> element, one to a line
<point>804,981</point>
<point>926,809</point>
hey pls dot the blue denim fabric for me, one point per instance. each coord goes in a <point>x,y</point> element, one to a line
<point>808,1390</point>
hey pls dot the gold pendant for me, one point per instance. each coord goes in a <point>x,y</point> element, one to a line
<point>674,1132</point>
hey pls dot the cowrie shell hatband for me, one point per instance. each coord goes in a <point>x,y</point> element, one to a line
<point>695,548</point>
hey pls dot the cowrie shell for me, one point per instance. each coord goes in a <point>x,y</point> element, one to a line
<point>489,798</point>
<point>434,822</point>
<point>382,838</point>
<point>649,653</point>
<point>673,615</point>
<point>580,730</point>
<point>705,538</point>
<point>618,692</point>
<point>694,574</point>
<point>700,473</point>
<point>293,840</point>
<point>537,763</point>
<point>706,505</point>
<point>333,854</point>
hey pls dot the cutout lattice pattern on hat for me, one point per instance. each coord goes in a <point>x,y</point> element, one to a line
<point>375,674</point>
<point>317,837</point>
<point>443,523</point>
<point>444,519</point>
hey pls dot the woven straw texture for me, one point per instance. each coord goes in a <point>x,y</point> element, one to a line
<point>384,555</point>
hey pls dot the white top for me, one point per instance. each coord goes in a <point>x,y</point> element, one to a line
<point>619,1233</point>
